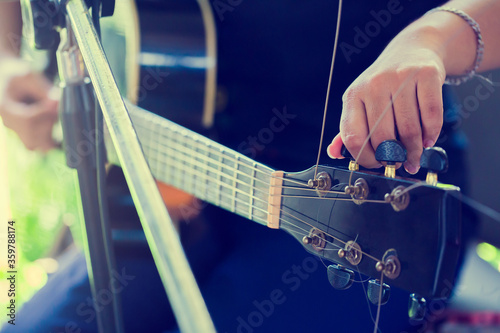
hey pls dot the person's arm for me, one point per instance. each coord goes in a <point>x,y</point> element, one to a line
<point>407,78</point>
<point>10,28</point>
<point>25,105</point>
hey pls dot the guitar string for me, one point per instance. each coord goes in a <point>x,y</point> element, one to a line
<point>207,158</point>
<point>334,199</point>
<point>205,173</point>
<point>236,169</point>
<point>206,187</point>
<point>169,133</point>
<point>366,296</point>
<point>237,181</point>
<point>379,302</point>
<point>204,176</point>
<point>483,209</point>
<point>172,142</point>
<point>334,52</point>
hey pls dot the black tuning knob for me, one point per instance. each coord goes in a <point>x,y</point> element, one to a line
<point>340,277</point>
<point>373,292</point>
<point>416,307</point>
<point>353,165</point>
<point>435,161</point>
<point>391,152</point>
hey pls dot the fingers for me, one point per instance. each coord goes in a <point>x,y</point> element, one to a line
<point>29,88</point>
<point>430,101</point>
<point>32,122</point>
<point>43,122</point>
<point>380,115</point>
<point>408,105</point>
<point>354,131</point>
<point>334,150</point>
<point>408,125</point>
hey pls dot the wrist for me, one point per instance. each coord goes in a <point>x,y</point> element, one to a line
<point>451,38</point>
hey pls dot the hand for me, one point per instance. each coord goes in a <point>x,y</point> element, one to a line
<point>25,105</point>
<point>400,94</point>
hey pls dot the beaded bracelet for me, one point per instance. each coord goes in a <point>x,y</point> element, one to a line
<point>457,80</point>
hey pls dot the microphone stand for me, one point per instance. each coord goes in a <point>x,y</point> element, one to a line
<point>80,53</point>
<point>78,113</point>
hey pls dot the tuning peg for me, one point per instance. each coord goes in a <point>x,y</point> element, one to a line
<point>391,152</point>
<point>416,307</point>
<point>435,161</point>
<point>373,292</point>
<point>340,277</point>
<point>353,165</point>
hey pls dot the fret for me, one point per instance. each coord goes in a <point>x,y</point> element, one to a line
<point>190,163</point>
<point>221,161</point>
<point>228,167</point>
<point>251,197</point>
<point>233,205</point>
<point>203,182</point>
<point>157,128</point>
<point>169,169</point>
<point>176,167</point>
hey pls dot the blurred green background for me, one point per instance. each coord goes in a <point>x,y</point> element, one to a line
<point>43,204</point>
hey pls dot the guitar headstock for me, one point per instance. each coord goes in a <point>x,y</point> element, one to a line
<point>409,231</point>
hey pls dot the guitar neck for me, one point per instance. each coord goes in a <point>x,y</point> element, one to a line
<point>201,167</point>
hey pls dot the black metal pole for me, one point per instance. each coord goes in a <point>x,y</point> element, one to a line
<point>78,113</point>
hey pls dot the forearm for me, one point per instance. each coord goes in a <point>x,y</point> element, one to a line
<point>452,38</point>
<point>10,28</point>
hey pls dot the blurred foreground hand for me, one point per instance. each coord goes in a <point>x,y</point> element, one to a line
<point>26,105</point>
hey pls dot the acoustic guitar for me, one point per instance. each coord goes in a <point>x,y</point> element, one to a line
<point>407,231</point>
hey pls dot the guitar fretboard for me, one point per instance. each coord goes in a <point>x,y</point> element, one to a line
<point>202,167</point>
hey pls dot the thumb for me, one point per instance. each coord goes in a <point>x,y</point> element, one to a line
<point>335,148</point>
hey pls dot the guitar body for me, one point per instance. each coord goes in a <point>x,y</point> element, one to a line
<point>173,61</point>
<point>163,68</point>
